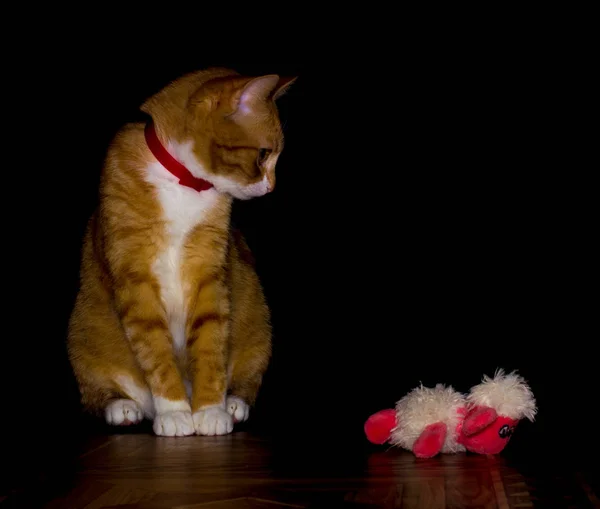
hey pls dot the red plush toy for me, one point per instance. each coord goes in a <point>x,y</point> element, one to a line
<point>429,421</point>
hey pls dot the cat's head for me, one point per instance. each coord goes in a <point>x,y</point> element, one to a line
<point>224,128</point>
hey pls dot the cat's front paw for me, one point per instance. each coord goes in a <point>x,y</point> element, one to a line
<point>213,420</point>
<point>237,408</point>
<point>174,424</point>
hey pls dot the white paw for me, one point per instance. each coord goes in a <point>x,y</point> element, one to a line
<point>122,412</point>
<point>213,421</point>
<point>237,408</point>
<point>174,424</point>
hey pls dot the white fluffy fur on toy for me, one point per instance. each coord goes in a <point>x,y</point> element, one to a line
<point>508,394</point>
<point>424,406</point>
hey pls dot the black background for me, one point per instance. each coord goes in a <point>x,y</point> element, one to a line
<point>425,228</point>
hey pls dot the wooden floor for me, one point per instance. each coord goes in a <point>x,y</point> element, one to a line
<point>136,470</point>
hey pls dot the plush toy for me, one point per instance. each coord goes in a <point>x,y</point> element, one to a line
<point>429,421</point>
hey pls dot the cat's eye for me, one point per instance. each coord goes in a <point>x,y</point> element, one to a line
<point>263,153</point>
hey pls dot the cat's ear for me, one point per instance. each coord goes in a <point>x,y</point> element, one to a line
<point>255,93</point>
<point>283,85</point>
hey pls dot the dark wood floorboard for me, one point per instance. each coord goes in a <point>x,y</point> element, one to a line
<point>136,470</point>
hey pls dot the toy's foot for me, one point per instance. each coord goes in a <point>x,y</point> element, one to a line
<point>213,420</point>
<point>378,427</point>
<point>238,409</point>
<point>430,441</point>
<point>123,412</point>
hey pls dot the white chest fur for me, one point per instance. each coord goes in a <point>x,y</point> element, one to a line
<point>183,209</point>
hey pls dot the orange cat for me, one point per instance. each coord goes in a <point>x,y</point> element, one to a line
<point>170,322</point>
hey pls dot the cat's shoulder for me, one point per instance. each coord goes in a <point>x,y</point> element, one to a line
<point>128,137</point>
<point>127,152</point>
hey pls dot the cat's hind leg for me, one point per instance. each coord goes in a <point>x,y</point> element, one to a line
<point>248,362</point>
<point>123,412</point>
<point>238,409</point>
<point>122,399</point>
<point>250,343</point>
<point>110,382</point>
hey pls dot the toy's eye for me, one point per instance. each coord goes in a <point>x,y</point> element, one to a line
<point>505,431</point>
<point>263,153</point>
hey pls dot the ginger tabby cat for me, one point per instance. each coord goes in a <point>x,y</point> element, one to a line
<point>170,322</point>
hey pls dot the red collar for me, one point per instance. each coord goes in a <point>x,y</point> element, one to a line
<point>170,163</point>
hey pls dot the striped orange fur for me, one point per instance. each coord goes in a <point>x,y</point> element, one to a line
<point>170,322</point>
